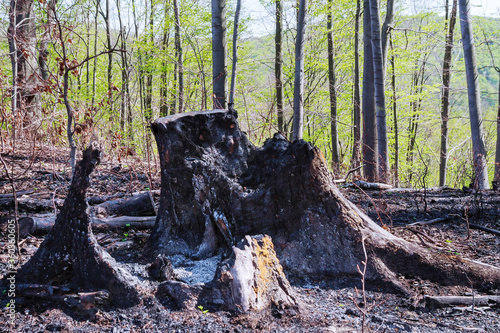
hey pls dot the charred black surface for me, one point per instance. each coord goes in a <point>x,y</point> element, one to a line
<point>70,253</point>
<point>217,188</point>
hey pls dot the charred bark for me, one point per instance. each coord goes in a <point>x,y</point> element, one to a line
<point>70,253</point>
<point>216,188</point>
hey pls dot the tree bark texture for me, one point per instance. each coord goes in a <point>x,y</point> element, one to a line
<point>70,253</point>
<point>332,91</point>
<point>298,86</point>
<point>22,47</point>
<point>445,98</point>
<point>216,188</point>
<point>219,53</point>
<point>278,66</point>
<point>379,80</point>
<point>356,147</point>
<point>370,145</point>
<point>235,51</point>
<point>476,118</point>
<point>497,153</point>
<point>386,30</point>
<point>179,54</point>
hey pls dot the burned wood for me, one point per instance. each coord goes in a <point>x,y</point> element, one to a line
<point>212,173</point>
<point>35,224</point>
<point>438,220</point>
<point>29,204</point>
<point>141,204</point>
<point>372,186</point>
<point>70,252</point>
<point>492,301</point>
<point>486,229</point>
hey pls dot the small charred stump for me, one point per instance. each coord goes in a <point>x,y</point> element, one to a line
<point>216,188</point>
<point>70,253</point>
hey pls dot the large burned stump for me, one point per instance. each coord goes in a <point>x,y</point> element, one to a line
<point>70,253</point>
<point>217,188</point>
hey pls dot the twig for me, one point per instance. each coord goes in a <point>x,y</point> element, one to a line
<point>439,219</point>
<point>489,230</point>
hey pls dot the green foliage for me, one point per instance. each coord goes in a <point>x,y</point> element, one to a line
<point>418,39</point>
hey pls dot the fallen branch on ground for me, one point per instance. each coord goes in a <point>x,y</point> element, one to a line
<point>449,301</point>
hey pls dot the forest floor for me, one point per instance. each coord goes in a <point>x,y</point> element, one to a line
<point>325,306</point>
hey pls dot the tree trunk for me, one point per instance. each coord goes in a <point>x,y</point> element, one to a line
<point>298,90</point>
<point>445,98</point>
<point>370,144</point>
<point>379,80</point>
<point>179,53</point>
<point>278,66</point>
<point>148,97</point>
<point>219,53</point>
<point>235,52</point>
<point>386,30</point>
<point>356,147</point>
<point>476,118</point>
<point>26,100</point>
<point>70,252</point>
<point>216,187</point>
<point>164,70</point>
<point>332,91</point>
<point>497,155</point>
<point>395,116</point>
<point>106,18</point>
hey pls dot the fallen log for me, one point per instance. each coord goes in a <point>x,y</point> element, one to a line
<point>33,225</point>
<point>492,301</point>
<point>141,204</point>
<point>216,187</point>
<point>29,204</point>
<point>486,229</point>
<point>372,186</point>
<point>437,220</point>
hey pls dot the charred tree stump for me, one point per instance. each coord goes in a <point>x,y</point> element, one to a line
<point>70,253</point>
<point>216,188</point>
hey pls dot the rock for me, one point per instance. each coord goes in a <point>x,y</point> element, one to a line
<point>250,279</point>
<point>178,294</point>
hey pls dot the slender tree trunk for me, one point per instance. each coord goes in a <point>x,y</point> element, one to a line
<point>395,116</point>
<point>148,97</point>
<point>333,92</point>
<point>94,69</point>
<point>106,18</point>
<point>164,71</point>
<point>179,53</point>
<point>370,144</point>
<point>125,99</point>
<point>235,51</point>
<point>476,121</point>
<point>278,66</point>
<point>379,78</point>
<point>141,64</point>
<point>356,152</point>
<point>497,155</point>
<point>386,29</point>
<point>22,48</point>
<point>298,91</point>
<point>445,98</point>
<point>219,53</point>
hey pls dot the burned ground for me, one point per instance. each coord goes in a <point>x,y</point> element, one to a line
<point>326,305</point>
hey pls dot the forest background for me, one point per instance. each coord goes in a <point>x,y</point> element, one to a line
<point>124,64</point>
